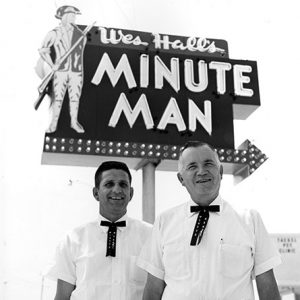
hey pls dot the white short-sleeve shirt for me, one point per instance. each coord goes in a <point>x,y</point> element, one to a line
<point>234,248</point>
<point>81,260</point>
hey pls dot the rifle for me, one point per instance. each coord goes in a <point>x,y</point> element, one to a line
<point>42,88</point>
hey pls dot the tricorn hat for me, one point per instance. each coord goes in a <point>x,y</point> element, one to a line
<point>66,9</point>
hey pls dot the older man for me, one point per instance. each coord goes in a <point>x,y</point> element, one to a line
<point>204,249</point>
<point>98,260</point>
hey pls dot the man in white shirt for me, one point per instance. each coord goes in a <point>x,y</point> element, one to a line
<point>204,249</point>
<point>98,260</point>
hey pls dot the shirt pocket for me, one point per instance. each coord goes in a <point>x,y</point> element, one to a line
<point>136,274</point>
<point>175,260</point>
<point>235,260</point>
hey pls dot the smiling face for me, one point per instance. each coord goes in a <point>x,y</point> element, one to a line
<point>200,172</point>
<point>113,193</point>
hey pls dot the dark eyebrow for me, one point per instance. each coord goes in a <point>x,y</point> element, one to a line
<point>108,181</point>
<point>124,181</point>
<point>191,164</point>
<point>209,160</point>
<point>117,182</point>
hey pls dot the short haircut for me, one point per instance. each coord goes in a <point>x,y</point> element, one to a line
<point>195,144</point>
<point>109,165</point>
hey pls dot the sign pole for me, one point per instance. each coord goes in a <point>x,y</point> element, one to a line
<point>148,205</point>
<point>148,202</point>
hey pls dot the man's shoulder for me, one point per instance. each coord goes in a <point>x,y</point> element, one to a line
<point>246,216</point>
<point>83,229</point>
<point>139,230</point>
<point>177,211</point>
<point>139,224</point>
<point>53,33</point>
<point>75,238</point>
<point>56,30</point>
<point>240,210</point>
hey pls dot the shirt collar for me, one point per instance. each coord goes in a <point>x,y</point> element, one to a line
<point>105,228</point>
<point>217,201</point>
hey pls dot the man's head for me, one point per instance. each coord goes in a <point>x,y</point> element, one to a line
<point>113,189</point>
<point>67,13</point>
<point>200,171</point>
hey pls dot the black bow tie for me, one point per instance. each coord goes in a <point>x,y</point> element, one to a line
<point>201,222</point>
<point>112,236</point>
<point>212,208</point>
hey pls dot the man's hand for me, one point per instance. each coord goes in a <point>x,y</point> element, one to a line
<point>55,67</point>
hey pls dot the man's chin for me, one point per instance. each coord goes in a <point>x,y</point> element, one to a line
<point>116,203</point>
<point>205,197</point>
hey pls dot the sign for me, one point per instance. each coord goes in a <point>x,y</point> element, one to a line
<point>288,273</point>
<point>135,95</point>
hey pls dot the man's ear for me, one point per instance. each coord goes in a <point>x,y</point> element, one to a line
<point>131,192</point>
<point>221,171</point>
<point>180,178</point>
<point>95,193</point>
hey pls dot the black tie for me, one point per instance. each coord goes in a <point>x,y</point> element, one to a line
<point>112,236</point>
<point>201,222</point>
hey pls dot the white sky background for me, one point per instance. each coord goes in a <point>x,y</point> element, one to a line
<point>39,203</point>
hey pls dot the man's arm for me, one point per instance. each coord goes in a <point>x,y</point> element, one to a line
<point>267,287</point>
<point>154,288</point>
<point>63,290</point>
<point>45,49</point>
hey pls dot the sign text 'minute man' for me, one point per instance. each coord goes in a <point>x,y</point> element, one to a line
<point>144,95</point>
<point>171,114</point>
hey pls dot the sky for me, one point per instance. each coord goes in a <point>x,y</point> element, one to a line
<point>39,203</point>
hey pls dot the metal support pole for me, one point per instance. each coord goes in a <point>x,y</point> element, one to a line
<point>148,205</point>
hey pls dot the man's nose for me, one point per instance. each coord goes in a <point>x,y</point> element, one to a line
<point>117,188</point>
<point>201,170</point>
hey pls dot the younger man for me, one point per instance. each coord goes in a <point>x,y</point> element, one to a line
<point>98,260</point>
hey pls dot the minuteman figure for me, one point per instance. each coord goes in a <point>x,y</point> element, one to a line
<point>68,75</point>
